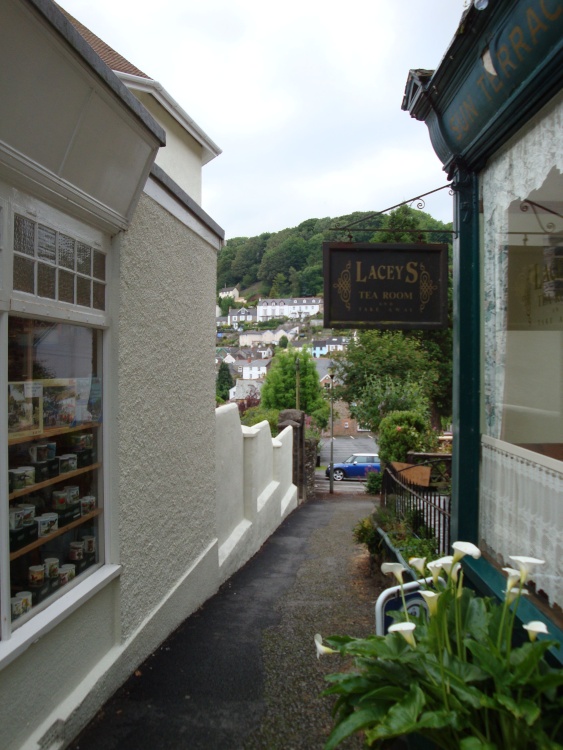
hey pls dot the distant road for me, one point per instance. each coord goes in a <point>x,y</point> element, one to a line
<point>342,448</point>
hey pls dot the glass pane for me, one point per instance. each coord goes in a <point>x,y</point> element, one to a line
<point>66,251</point>
<point>83,291</point>
<point>46,281</point>
<point>99,265</point>
<point>23,274</point>
<point>24,235</point>
<point>99,296</point>
<point>47,244</point>
<point>54,409</point>
<point>66,286</point>
<point>84,259</point>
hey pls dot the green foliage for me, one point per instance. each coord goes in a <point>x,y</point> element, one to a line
<point>224,382</point>
<point>407,532</point>
<point>455,677</point>
<point>403,431</point>
<point>382,395</point>
<point>365,532</point>
<point>374,480</point>
<point>256,414</point>
<point>225,303</point>
<point>279,389</point>
<point>377,364</point>
<point>283,342</point>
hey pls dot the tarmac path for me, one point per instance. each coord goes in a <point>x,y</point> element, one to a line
<point>241,673</point>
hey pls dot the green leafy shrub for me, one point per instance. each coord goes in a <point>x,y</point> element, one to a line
<point>256,414</point>
<point>401,432</point>
<point>453,676</point>
<point>374,480</point>
<point>366,533</point>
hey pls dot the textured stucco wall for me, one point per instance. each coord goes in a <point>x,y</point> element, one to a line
<point>166,406</point>
<point>40,681</point>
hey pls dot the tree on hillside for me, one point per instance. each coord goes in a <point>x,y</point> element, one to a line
<point>224,382</point>
<point>438,344</point>
<point>292,369</point>
<point>373,356</point>
<point>290,253</point>
<point>248,257</point>
<point>225,276</point>
<point>225,303</point>
<point>279,286</point>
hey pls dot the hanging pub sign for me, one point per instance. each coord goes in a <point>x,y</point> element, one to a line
<point>385,285</point>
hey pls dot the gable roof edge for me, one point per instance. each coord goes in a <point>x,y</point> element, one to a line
<point>157,90</point>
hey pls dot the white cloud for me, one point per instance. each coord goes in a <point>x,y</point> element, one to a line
<point>304,98</point>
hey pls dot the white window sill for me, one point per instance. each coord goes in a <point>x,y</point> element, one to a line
<point>45,621</point>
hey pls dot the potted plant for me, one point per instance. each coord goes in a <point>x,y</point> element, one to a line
<point>454,675</point>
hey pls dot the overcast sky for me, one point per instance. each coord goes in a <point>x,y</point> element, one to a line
<point>303,98</point>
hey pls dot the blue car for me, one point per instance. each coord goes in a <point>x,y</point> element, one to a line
<point>356,465</point>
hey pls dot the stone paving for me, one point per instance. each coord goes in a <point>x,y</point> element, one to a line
<point>242,673</point>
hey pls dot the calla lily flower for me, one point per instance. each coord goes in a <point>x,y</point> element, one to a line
<point>418,563</point>
<point>514,592</point>
<point>454,571</point>
<point>513,578</point>
<point>395,569</point>
<point>321,650</point>
<point>465,548</point>
<point>446,563</point>
<point>431,599</point>
<point>534,628</point>
<point>434,567</point>
<point>406,630</point>
<point>524,564</point>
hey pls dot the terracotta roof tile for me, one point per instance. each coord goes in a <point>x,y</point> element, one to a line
<point>112,59</point>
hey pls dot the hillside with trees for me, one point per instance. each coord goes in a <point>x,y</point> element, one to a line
<point>289,263</point>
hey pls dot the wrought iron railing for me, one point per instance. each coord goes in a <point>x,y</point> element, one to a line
<point>428,509</point>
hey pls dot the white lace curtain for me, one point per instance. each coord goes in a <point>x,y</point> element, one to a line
<point>522,511</point>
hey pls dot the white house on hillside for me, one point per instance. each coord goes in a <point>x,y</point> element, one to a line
<point>256,370</point>
<point>294,308</point>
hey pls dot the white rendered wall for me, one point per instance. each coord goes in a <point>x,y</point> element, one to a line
<point>177,529</point>
<point>255,490</point>
<point>181,158</point>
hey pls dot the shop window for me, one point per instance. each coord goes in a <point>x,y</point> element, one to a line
<point>54,446</point>
<point>55,266</point>
<point>524,356</point>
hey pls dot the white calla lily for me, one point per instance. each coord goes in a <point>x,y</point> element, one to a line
<point>513,593</point>
<point>524,564</point>
<point>395,569</point>
<point>535,628</point>
<point>321,650</point>
<point>406,630</point>
<point>445,563</point>
<point>434,567</point>
<point>431,599</point>
<point>418,563</point>
<point>465,548</point>
<point>512,579</point>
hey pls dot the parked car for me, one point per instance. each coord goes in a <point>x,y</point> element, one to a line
<point>356,465</point>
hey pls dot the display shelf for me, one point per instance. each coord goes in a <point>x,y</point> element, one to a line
<point>63,530</point>
<point>53,480</point>
<point>46,434</point>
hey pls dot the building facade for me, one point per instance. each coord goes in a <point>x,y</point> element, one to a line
<point>294,308</point>
<point>107,296</point>
<point>494,110</point>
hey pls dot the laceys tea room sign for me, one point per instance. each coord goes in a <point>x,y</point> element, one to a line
<point>386,286</point>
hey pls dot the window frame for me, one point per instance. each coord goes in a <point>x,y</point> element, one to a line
<point>13,641</point>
